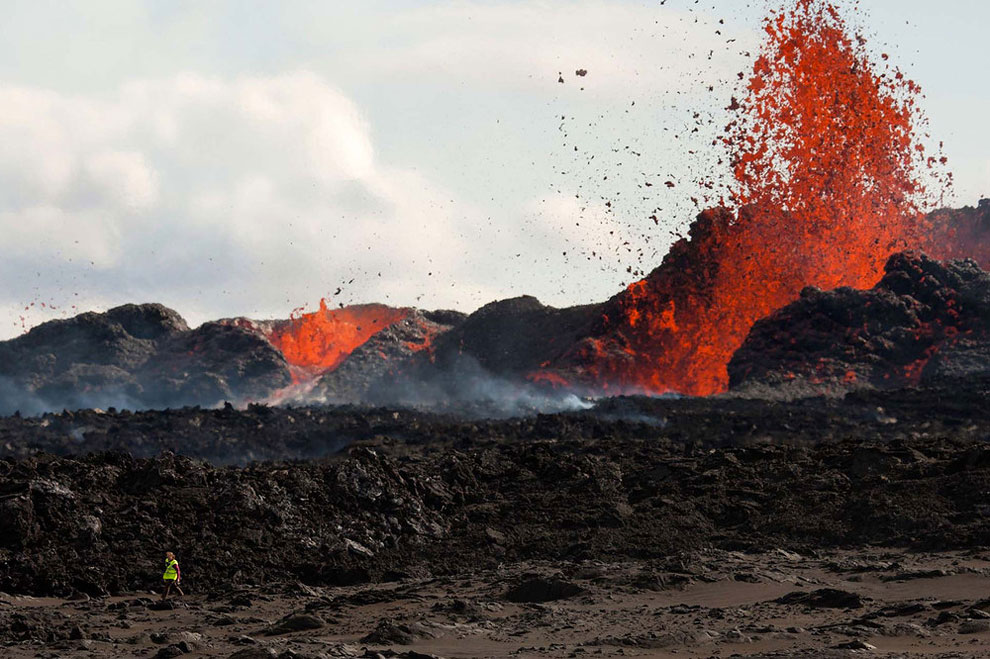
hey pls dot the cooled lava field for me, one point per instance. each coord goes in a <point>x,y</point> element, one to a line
<point>327,531</point>
<point>470,502</point>
<point>396,492</point>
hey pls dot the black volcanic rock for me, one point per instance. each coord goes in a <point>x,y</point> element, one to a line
<point>489,365</point>
<point>422,494</point>
<point>516,336</point>
<point>539,589</point>
<point>123,337</point>
<point>925,319</point>
<point>213,363</point>
<point>134,356</point>
<point>83,361</point>
<point>959,357</point>
<point>827,598</point>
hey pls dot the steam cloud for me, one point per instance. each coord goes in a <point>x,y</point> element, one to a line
<point>464,388</point>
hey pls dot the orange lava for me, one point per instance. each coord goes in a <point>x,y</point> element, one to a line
<point>826,166</point>
<point>319,341</point>
<point>548,378</point>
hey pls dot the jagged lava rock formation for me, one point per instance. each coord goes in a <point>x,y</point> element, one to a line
<point>516,338</point>
<point>551,488</point>
<point>924,320</point>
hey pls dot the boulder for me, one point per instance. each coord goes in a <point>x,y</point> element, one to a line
<point>295,623</point>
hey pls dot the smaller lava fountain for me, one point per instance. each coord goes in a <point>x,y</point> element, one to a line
<point>319,341</point>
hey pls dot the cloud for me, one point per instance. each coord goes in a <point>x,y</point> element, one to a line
<point>248,195</point>
<point>223,193</point>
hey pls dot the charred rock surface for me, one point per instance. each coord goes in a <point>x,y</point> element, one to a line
<point>955,410</point>
<point>422,495</point>
<point>924,320</point>
<point>220,436</point>
<point>211,364</point>
<point>516,336</point>
<point>75,360</point>
<point>135,356</point>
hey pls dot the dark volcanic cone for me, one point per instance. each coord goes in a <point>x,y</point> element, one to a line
<point>134,356</point>
<point>518,336</point>
<point>214,363</point>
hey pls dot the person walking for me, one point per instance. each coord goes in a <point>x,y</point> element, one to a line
<point>172,576</point>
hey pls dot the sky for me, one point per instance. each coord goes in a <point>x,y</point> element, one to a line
<point>249,158</point>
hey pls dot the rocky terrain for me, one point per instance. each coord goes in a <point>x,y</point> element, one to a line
<point>634,477</point>
<point>706,603</point>
<point>762,527</point>
<point>643,526</point>
<point>832,503</point>
<point>370,371</point>
<point>925,320</point>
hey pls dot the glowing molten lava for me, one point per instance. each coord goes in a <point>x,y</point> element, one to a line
<point>319,341</point>
<point>826,166</point>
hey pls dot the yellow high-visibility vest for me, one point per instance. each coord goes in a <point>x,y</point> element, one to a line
<point>171,570</point>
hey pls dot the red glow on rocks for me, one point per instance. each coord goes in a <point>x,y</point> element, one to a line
<point>548,378</point>
<point>428,332</point>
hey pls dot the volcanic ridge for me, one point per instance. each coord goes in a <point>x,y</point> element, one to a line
<point>924,319</point>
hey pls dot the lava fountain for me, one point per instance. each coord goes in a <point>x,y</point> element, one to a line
<point>827,168</point>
